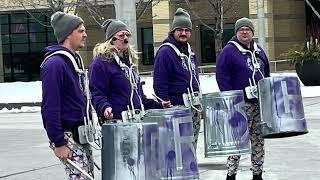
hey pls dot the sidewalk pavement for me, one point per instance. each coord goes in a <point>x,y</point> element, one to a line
<point>24,152</point>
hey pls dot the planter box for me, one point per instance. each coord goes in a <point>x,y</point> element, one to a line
<point>309,72</point>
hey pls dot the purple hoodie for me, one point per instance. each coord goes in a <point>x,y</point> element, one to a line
<point>63,102</point>
<point>109,87</point>
<point>170,76</point>
<point>233,69</point>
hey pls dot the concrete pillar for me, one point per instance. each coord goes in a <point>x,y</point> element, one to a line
<point>268,25</point>
<point>126,12</point>
<point>284,25</point>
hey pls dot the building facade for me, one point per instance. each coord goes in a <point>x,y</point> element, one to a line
<point>24,37</point>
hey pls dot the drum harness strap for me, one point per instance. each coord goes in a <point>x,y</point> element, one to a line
<point>192,98</point>
<point>91,131</point>
<point>132,114</point>
<point>256,68</point>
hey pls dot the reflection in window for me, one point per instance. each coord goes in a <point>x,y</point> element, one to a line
<point>19,28</point>
<point>147,46</point>
<point>23,42</point>
<point>19,38</point>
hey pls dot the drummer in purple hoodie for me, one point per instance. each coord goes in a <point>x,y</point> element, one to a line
<point>63,100</point>
<point>114,80</point>
<point>237,62</point>
<point>176,66</point>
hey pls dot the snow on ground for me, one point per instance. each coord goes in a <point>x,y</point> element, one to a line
<point>24,92</point>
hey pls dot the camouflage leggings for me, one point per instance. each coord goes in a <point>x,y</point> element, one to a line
<point>257,143</point>
<point>81,155</point>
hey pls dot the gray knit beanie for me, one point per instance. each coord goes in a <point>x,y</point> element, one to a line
<point>112,26</point>
<point>243,22</point>
<point>63,24</point>
<point>181,19</point>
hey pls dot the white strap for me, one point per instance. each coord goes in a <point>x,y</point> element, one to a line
<point>176,49</point>
<point>70,57</point>
<point>242,50</point>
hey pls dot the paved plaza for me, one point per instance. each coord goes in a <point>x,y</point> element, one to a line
<point>24,152</point>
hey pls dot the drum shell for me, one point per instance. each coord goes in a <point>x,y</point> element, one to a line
<point>177,156</point>
<point>281,107</point>
<point>128,151</point>
<point>226,125</point>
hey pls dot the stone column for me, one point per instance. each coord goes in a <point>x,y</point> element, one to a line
<point>269,25</point>
<point>284,27</point>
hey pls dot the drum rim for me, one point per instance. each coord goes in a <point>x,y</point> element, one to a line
<point>223,94</point>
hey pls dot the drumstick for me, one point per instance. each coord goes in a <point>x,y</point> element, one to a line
<point>157,97</point>
<point>79,169</point>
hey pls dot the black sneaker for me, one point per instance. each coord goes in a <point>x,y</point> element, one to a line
<point>232,177</point>
<point>257,177</point>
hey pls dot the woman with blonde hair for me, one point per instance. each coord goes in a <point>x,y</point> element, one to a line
<point>113,75</point>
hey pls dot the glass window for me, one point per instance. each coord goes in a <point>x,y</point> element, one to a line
<point>4,29</point>
<point>35,17</point>
<point>37,47</point>
<point>23,42</point>
<point>51,37</point>
<point>228,33</point>
<point>36,27</point>
<point>208,52</point>
<point>19,28</point>
<point>50,29</point>
<point>20,48</point>
<point>19,38</point>
<point>7,77</point>
<point>147,46</point>
<point>6,59</point>
<point>4,19</point>
<point>37,37</point>
<point>5,49</point>
<point>5,39</point>
<point>19,18</point>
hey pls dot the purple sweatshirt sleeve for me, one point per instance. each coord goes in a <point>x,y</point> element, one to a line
<point>52,74</point>
<point>161,74</point>
<point>223,72</point>
<point>99,86</point>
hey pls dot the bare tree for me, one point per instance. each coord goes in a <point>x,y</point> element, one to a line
<point>221,8</point>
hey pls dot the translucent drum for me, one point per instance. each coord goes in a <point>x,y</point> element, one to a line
<point>281,107</point>
<point>225,124</point>
<point>129,151</point>
<point>177,156</point>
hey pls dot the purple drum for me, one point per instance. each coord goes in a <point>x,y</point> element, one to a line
<point>177,157</point>
<point>225,124</point>
<point>281,107</point>
<point>130,151</point>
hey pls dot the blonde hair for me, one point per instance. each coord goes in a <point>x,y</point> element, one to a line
<point>107,50</point>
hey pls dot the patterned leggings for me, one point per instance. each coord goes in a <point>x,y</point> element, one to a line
<point>196,119</point>
<point>257,143</point>
<point>81,155</point>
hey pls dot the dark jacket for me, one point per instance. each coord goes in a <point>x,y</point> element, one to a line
<point>63,101</point>
<point>234,69</point>
<point>171,77</point>
<point>109,87</point>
